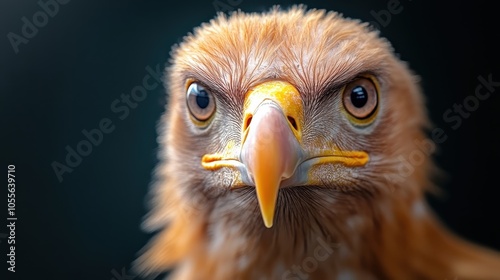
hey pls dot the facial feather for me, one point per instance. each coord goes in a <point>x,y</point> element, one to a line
<point>373,215</point>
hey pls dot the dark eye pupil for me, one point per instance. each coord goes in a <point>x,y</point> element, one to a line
<point>202,99</point>
<point>359,96</point>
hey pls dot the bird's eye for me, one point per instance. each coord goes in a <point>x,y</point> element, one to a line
<point>360,99</point>
<point>200,102</point>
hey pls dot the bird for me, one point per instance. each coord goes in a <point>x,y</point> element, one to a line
<point>295,145</point>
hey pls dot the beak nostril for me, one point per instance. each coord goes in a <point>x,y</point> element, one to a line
<point>247,122</point>
<point>292,122</point>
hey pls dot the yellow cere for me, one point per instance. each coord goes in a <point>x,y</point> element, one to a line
<point>284,94</point>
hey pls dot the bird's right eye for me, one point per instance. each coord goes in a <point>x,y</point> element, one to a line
<point>200,102</point>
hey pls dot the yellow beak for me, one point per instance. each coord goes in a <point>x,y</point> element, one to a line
<point>271,137</point>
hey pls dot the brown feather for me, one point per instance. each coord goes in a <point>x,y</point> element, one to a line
<point>375,219</point>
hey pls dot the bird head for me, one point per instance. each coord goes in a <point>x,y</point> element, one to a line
<point>286,116</point>
<point>287,126</point>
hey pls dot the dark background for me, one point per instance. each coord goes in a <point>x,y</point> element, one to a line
<point>66,77</point>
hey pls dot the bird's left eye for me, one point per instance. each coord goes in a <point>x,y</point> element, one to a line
<point>200,102</point>
<point>360,99</point>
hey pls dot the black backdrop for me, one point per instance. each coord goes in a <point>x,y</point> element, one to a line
<point>67,75</point>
